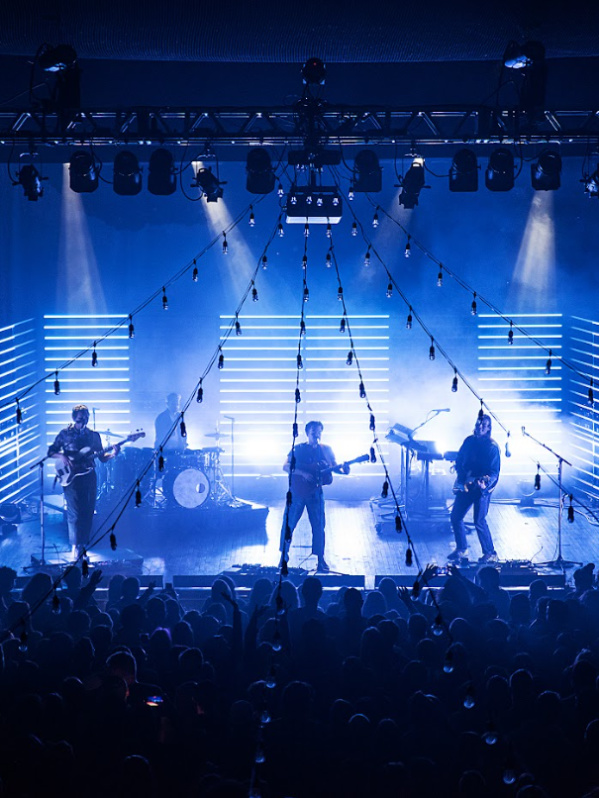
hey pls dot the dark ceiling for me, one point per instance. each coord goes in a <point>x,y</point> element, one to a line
<point>287,32</point>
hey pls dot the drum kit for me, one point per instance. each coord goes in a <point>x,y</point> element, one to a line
<point>190,478</point>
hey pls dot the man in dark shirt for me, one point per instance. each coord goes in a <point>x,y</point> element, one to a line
<point>164,425</point>
<point>307,478</point>
<point>76,446</point>
<point>477,470</point>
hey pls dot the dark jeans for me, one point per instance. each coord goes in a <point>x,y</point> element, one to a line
<point>81,503</point>
<point>464,500</point>
<point>314,504</point>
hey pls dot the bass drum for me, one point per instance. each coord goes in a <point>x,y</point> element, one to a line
<point>188,487</point>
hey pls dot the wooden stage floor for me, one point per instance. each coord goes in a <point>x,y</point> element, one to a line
<point>354,546</point>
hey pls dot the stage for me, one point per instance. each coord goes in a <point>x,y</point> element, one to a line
<point>192,547</point>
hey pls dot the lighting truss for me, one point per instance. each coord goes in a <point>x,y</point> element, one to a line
<point>345,125</point>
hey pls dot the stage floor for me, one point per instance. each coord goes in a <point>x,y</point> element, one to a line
<point>171,547</point>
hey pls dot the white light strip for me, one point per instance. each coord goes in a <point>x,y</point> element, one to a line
<point>315,316</point>
<point>86,316</point>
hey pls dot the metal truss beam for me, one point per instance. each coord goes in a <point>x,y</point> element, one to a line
<point>575,131</point>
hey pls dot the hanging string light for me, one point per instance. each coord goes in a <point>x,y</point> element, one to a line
<point>362,391</point>
<point>302,328</point>
<point>221,361</point>
<point>473,306</point>
<point>164,299</point>
<point>342,325</point>
<point>469,697</point>
<point>409,320</point>
<point>304,261</point>
<point>510,335</point>
<point>481,411</point>
<point>350,193</point>
<point>252,218</point>
<point>137,494</point>
<point>431,349</point>
<point>55,602</point>
<point>372,423</point>
<point>19,412</point>
<point>300,363</point>
<point>264,262</point>
<point>408,249</point>
<point>375,219</point>
<point>182,427</point>
<point>237,325</point>
<point>160,460</point>
<point>280,230</point>
<point>306,230</point>
<point>548,364</point>
<point>200,394</point>
<point>350,358</point>
<point>328,260</point>
<point>440,276</point>
<point>131,327</point>
<point>385,490</point>
<point>225,244</point>
<point>367,257</point>
<point>56,384</point>
<point>94,356</point>
<point>372,455</point>
<point>85,566</point>
<point>398,524</point>
<point>389,292</point>
<point>354,229</point>
<point>329,230</point>
<point>298,396</point>
<point>194,274</point>
<point>254,293</point>
<point>409,557</point>
<point>340,294</point>
<point>508,452</point>
<point>112,539</point>
<point>591,399</point>
<point>454,382</point>
<point>306,294</point>
<point>280,191</point>
<point>538,477</point>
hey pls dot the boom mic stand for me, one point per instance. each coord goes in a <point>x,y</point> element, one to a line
<point>559,562</point>
<point>40,464</point>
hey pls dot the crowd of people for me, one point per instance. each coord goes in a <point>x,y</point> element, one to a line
<point>467,691</point>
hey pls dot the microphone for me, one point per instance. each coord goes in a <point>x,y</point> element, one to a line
<point>441,410</point>
<point>523,430</point>
<point>230,418</point>
<point>507,450</point>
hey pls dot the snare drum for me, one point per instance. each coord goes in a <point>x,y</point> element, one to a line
<point>187,487</point>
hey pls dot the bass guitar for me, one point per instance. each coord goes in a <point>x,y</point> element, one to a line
<point>323,475</point>
<point>471,483</point>
<point>65,474</point>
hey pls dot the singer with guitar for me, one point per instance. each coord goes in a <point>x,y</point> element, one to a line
<point>477,472</point>
<point>80,483</point>
<point>312,468</point>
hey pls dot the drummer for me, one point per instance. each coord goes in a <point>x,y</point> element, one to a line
<point>164,424</point>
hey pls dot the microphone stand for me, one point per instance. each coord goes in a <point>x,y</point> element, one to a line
<point>559,562</point>
<point>40,464</point>
<point>429,417</point>
<point>232,420</point>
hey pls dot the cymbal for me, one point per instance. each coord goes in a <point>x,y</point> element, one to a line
<point>105,432</point>
<point>216,435</point>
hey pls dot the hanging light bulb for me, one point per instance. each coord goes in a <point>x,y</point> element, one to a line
<point>200,395</point>
<point>252,218</point>
<point>431,349</point>
<point>548,364</point>
<point>437,627</point>
<point>409,556</point>
<point>225,244</point>
<point>164,299</point>
<point>538,477</point>
<point>340,294</point>
<point>367,257</point>
<point>264,262</point>
<point>448,666</point>
<point>389,292</point>
<point>470,697</point>
<point>351,193</point>
<point>408,249</point>
<point>280,191</point>
<point>329,230</point>
<point>591,396</point>
<point>473,306</point>
<point>398,524</point>
<point>385,490</point>
<point>362,390</point>
<point>237,327</point>
<point>342,325</point>
<point>510,335</point>
<point>19,412</point>
<point>56,384</point>
<point>306,294</point>
<point>375,220</point>
<point>23,638</point>
<point>416,589</point>
<point>298,396</point>
<point>131,328</point>
<point>372,423</point>
<point>94,356</point>
<point>481,412</point>
<point>454,382</point>
<point>182,427</point>
<point>328,260</point>
<point>509,775</point>
<point>295,429</point>
<point>306,230</point>
<point>372,455</point>
<point>137,494</point>
<point>254,294</point>
<point>112,539</point>
<point>161,460</point>
<point>302,327</point>
<point>55,603</point>
<point>280,230</point>
<point>300,363</point>
<point>354,229</point>
<point>350,358</point>
<point>221,361</point>
<point>508,453</point>
<point>409,320</point>
<point>194,274</point>
<point>440,276</point>
<point>490,736</point>
<point>304,262</point>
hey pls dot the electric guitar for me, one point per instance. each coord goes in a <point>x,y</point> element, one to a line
<point>471,483</point>
<point>323,475</point>
<point>65,474</point>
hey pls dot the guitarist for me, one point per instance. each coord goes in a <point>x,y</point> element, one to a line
<point>307,478</point>
<point>80,494</point>
<point>477,469</point>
